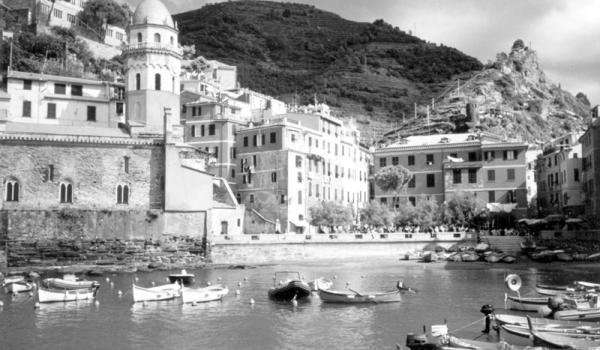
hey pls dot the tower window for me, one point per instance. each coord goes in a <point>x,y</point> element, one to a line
<point>138,81</point>
<point>156,38</point>
<point>139,37</point>
<point>66,193</point>
<point>156,81</point>
<point>172,41</point>
<point>91,113</point>
<point>12,191</point>
<point>126,164</point>
<point>122,194</point>
<point>51,111</point>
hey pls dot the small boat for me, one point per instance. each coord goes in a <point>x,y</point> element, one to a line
<point>19,287</point>
<point>509,259</point>
<point>320,283</point>
<point>592,314</point>
<point>587,285</point>
<point>579,256</point>
<point>185,278</point>
<point>558,341</point>
<point>69,284</point>
<point>164,292</point>
<point>535,304</point>
<point>506,319</point>
<point>570,331</point>
<point>293,287</point>
<point>201,295</point>
<point>593,257</point>
<point>564,257</point>
<point>549,289</point>
<point>354,297</point>
<point>428,256</point>
<point>493,257</point>
<point>445,341</point>
<point>55,295</point>
<point>543,256</point>
<point>469,257</point>
<point>13,279</point>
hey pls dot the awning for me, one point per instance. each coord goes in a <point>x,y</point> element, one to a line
<point>499,207</point>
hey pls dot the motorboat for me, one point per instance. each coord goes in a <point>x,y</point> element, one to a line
<point>184,277</point>
<point>292,287</point>
<point>164,292</point>
<point>206,294</point>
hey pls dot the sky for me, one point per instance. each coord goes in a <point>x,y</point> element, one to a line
<point>565,33</point>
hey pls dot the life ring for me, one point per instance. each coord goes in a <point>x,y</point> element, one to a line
<point>513,282</point>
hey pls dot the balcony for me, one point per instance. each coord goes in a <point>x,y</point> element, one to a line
<point>462,165</point>
<point>153,47</point>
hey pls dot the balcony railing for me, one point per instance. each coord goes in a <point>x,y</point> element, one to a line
<point>153,46</point>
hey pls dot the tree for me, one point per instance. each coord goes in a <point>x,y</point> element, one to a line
<point>97,13</point>
<point>427,212</point>
<point>375,214</point>
<point>393,178</point>
<point>330,214</point>
<point>463,208</point>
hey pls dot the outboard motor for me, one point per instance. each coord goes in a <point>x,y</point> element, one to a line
<point>487,310</point>
<point>419,342</point>
<point>555,303</point>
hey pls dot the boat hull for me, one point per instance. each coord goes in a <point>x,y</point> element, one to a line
<point>59,283</point>
<point>572,332</point>
<point>353,298</point>
<point>539,305</point>
<point>166,292</point>
<point>203,295</point>
<point>51,296</point>
<point>579,315</point>
<point>19,287</point>
<point>289,290</point>
<point>546,289</point>
<point>561,341</point>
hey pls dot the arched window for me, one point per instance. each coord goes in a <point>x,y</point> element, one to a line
<point>138,81</point>
<point>122,194</point>
<point>139,37</point>
<point>172,41</point>
<point>12,191</point>
<point>156,81</point>
<point>156,38</point>
<point>66,193</point>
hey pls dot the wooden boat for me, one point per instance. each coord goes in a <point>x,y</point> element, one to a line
<point>70,284</point>
<point>164,292</point>
<point>201,295</point>
<point>506,319</point>
<point>535,304</point>
<point>587,285</point>
<point>509,259</point>
<point>570,331</point>
<point>450,342</point>
<point>548,289</point>
<point>12,279</point>
<point>579,256</point>
<point>353,297</point>
<point>55,295</point>
<point>527,246</point>
<point>565,257</point>
<point>469,257</point>
<point>320,283</point>
<point>493,257</point>
<point>19,287</point>
<point>185,278</point>
<point>293,287</point>
<point>580,315</point>
<point>560,341</point>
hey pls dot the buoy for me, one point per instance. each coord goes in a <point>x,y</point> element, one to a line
<point>145,303</point>
<point>107,279</point>
<point>137,278</point>
<point>167,279</point>
<point>347,283</point>
<point>208,283</point>
<point>97,303</point>
<point>36,305</point>
<point>153,283</point>
<point>1,303</point>
<point>237,292</point>
<point>112,284</point>
<point>239,284</point>
<point>251,301</point>
<point>120,293</point>
<point>513,282</point>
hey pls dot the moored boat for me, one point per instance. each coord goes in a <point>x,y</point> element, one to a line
<point>320,283</point>
<point>354,297</point>
<point>509,259</point>
<point>469,257</point>
<point>55,295</point>
<point>548,289</point>
<point>184,278</point>
<point>164,292</point>
<point>61,283</point>
<point>565,257</point>
<point>493,257</point>
<point>201,295</point>
<point>291,288</point>
<point>593,257</point>
<point>543,256</point>
<point>535,304</point>
<point>19,287</point>
<point>574,331</point>
<point>558,341</point>
<point>506,319</point>
<point>580,315</point>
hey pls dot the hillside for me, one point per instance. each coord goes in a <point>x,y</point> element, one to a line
<point>373,72</point>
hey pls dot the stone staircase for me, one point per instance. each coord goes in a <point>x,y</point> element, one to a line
<point>507,244</point>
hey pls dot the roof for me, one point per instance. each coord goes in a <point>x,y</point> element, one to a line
<point>152,12</point>
<point>450,140</point>
<point>49,77</point>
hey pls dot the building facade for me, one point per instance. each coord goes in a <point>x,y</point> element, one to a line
<point>494,170</point>
<point>559,174</point>
<point>590,177</point>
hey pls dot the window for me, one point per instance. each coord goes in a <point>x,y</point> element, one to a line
<point>157,38</point>
<point>317,190</point>
<point>274,176</point>
<point>254,140</point>
<point>245,141</point>
<point>395,161</point>
<point>282,199</point>
<point>383,200</point>
<point>26,84</point>
<point>122,194</point>
<point>91,113</point>
<point>232,173</point>
<point>57,13</point>
<point>489,155</point>
<point>491,196</point>
<point>411,182</point>
<point>472,156</point>
<point>201,130</point>
<point>310,189</point>
<point>299,197</point>
<point>576,175</point>
<point>299,176</point>
<point>456,176</point>
<point>430,180</point>
<point>139,37</point>
<point>491,175</point>
<point>273,137</point>
<point>156,81</point>
<point>119,36</point>
<point>251,198</point>
<point>239,198</point>
<point>119,108</point>
<point>66,193</point>
<point>511,155</point>
<point>51,111</point>
<point>60,89</point>
<point>211,129</point>
<point>216,152</point>
<point>138,81</point>
<point>49,174</point>
<point>263,139</point>
<point>298,161</point>
<point>510,174</point>
<point>254,160</point>
<point>412,200</point>
<point>472,176</point>
<point>411,160</point>
<point>510,196</point>
<point>429,159</point>
<point>233,152</point>
<point>382,162</point>
<point>12,191</point>
<point>293,137</point>
<point>76,90</point>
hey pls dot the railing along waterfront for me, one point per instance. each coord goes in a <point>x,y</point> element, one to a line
<point>294,238</point>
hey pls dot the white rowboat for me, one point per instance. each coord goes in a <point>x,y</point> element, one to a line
<point>49,296</point>
<point>201,295</point>
<point>164,292</point>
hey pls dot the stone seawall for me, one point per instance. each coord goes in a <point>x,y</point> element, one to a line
<point>256,253</point>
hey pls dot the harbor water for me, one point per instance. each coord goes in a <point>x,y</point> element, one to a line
<point>446,292</point>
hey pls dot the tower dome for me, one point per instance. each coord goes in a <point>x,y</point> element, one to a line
<point>152,12</point>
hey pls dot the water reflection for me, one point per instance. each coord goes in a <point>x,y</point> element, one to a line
<point>56,314</point>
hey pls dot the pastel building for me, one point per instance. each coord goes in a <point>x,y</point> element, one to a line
<point>493,169</point>
<point>590,166</point>
<point>291,162</point>
<point>559,174</point>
